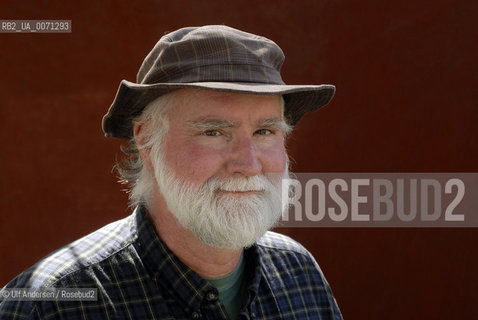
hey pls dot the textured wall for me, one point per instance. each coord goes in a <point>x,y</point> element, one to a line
<point>406,77</point>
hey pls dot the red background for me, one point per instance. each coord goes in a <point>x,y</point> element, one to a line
<point>406,77</point>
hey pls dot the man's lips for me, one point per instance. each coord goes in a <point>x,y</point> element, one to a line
<point>241,192</point>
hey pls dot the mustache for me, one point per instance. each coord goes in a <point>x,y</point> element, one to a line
<point>257,183</point>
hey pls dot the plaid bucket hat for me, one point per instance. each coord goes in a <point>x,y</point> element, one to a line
<point>213,58</point>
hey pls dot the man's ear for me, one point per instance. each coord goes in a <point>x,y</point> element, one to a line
<point>139,138</point>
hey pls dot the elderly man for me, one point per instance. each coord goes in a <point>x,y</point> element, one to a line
<point>206,125</point>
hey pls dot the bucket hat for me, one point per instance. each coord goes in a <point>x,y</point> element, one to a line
<point>213,58</point>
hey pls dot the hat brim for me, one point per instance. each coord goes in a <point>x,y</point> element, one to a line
<point>132,98</point>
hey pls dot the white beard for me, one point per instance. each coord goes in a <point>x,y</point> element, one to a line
<point>222,219</point>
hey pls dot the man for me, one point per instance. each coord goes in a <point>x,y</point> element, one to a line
<point>206,124</point>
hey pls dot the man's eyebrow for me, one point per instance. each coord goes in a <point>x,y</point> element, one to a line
<point>210,124</point>
<point>275,123</point>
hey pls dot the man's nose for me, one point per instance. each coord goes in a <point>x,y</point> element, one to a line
<point>244,158</point>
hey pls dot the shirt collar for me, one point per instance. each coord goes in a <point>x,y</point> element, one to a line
<point>253,272</point>
<point>171,274</point>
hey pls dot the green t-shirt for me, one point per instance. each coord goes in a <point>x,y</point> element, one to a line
<point>231,289</point>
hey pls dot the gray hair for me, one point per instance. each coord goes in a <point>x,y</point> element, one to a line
<point>133,173</point>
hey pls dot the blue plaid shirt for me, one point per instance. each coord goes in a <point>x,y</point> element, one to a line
<point>138,277</point>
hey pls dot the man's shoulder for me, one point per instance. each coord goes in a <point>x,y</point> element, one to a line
<point>276,241</point>
<point>277,250</point>
<point>78,255</point>
<point>290,271</point>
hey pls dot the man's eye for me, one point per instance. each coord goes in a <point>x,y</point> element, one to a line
<point>263,132</point>
<point>211,133</point>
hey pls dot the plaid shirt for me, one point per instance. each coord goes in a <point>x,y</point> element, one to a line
<point>138,277</point>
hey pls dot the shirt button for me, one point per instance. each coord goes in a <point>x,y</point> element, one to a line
<point>211,296</point>
<point>196,315</point>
